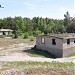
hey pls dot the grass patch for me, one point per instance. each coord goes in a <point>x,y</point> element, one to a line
<point>55,65</point>
<point>1,36</point>
<point>39,53</point>
<point>6,42</point>
<point>32,38</point>
<point>73,54</point>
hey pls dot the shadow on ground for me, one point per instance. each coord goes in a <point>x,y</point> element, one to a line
<point>34,52</point>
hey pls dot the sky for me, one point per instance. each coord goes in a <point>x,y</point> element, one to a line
<point>37,8</point>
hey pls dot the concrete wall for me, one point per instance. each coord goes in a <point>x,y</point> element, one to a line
<point>48,42</point>
<point>57,49</point>
<point>65,45</point>
<point>55,52</point>
<point>6,33</point>
<point>61,49</point>
<point>68,49</point>
<point>1,33</point>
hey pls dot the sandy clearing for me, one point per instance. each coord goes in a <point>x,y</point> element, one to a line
<point>20,57</point>
<point>11,57</point>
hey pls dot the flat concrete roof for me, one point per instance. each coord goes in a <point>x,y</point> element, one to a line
<point>62,36</point>
<point>6,30</point>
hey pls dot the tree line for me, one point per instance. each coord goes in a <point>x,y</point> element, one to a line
<point>38,25</point>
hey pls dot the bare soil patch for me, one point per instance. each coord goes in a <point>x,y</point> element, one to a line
<point>36,68</point>
<point>37,71</point>
<point>15,49</point>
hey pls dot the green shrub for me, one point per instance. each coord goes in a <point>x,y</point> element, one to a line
<point>32,39</point>
<point>26,35</point>
<point>36,33</point>
<point>10,35</point>
<point>1,36</point>
<point>16,35</point>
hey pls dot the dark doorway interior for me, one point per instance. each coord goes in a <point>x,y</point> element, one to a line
<point>4,33</point>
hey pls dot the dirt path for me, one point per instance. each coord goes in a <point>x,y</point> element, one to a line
<point>9,55</point>
<point>20,57</point>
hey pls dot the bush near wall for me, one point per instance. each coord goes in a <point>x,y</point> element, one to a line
<point>1,36</point>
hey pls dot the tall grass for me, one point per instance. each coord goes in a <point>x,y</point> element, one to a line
<point>56,65</point>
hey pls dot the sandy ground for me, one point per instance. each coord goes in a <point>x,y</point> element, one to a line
<point>9,55</point>
<point>38,71</point>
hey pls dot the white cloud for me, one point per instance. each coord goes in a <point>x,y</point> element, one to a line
<point>30,5</point>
